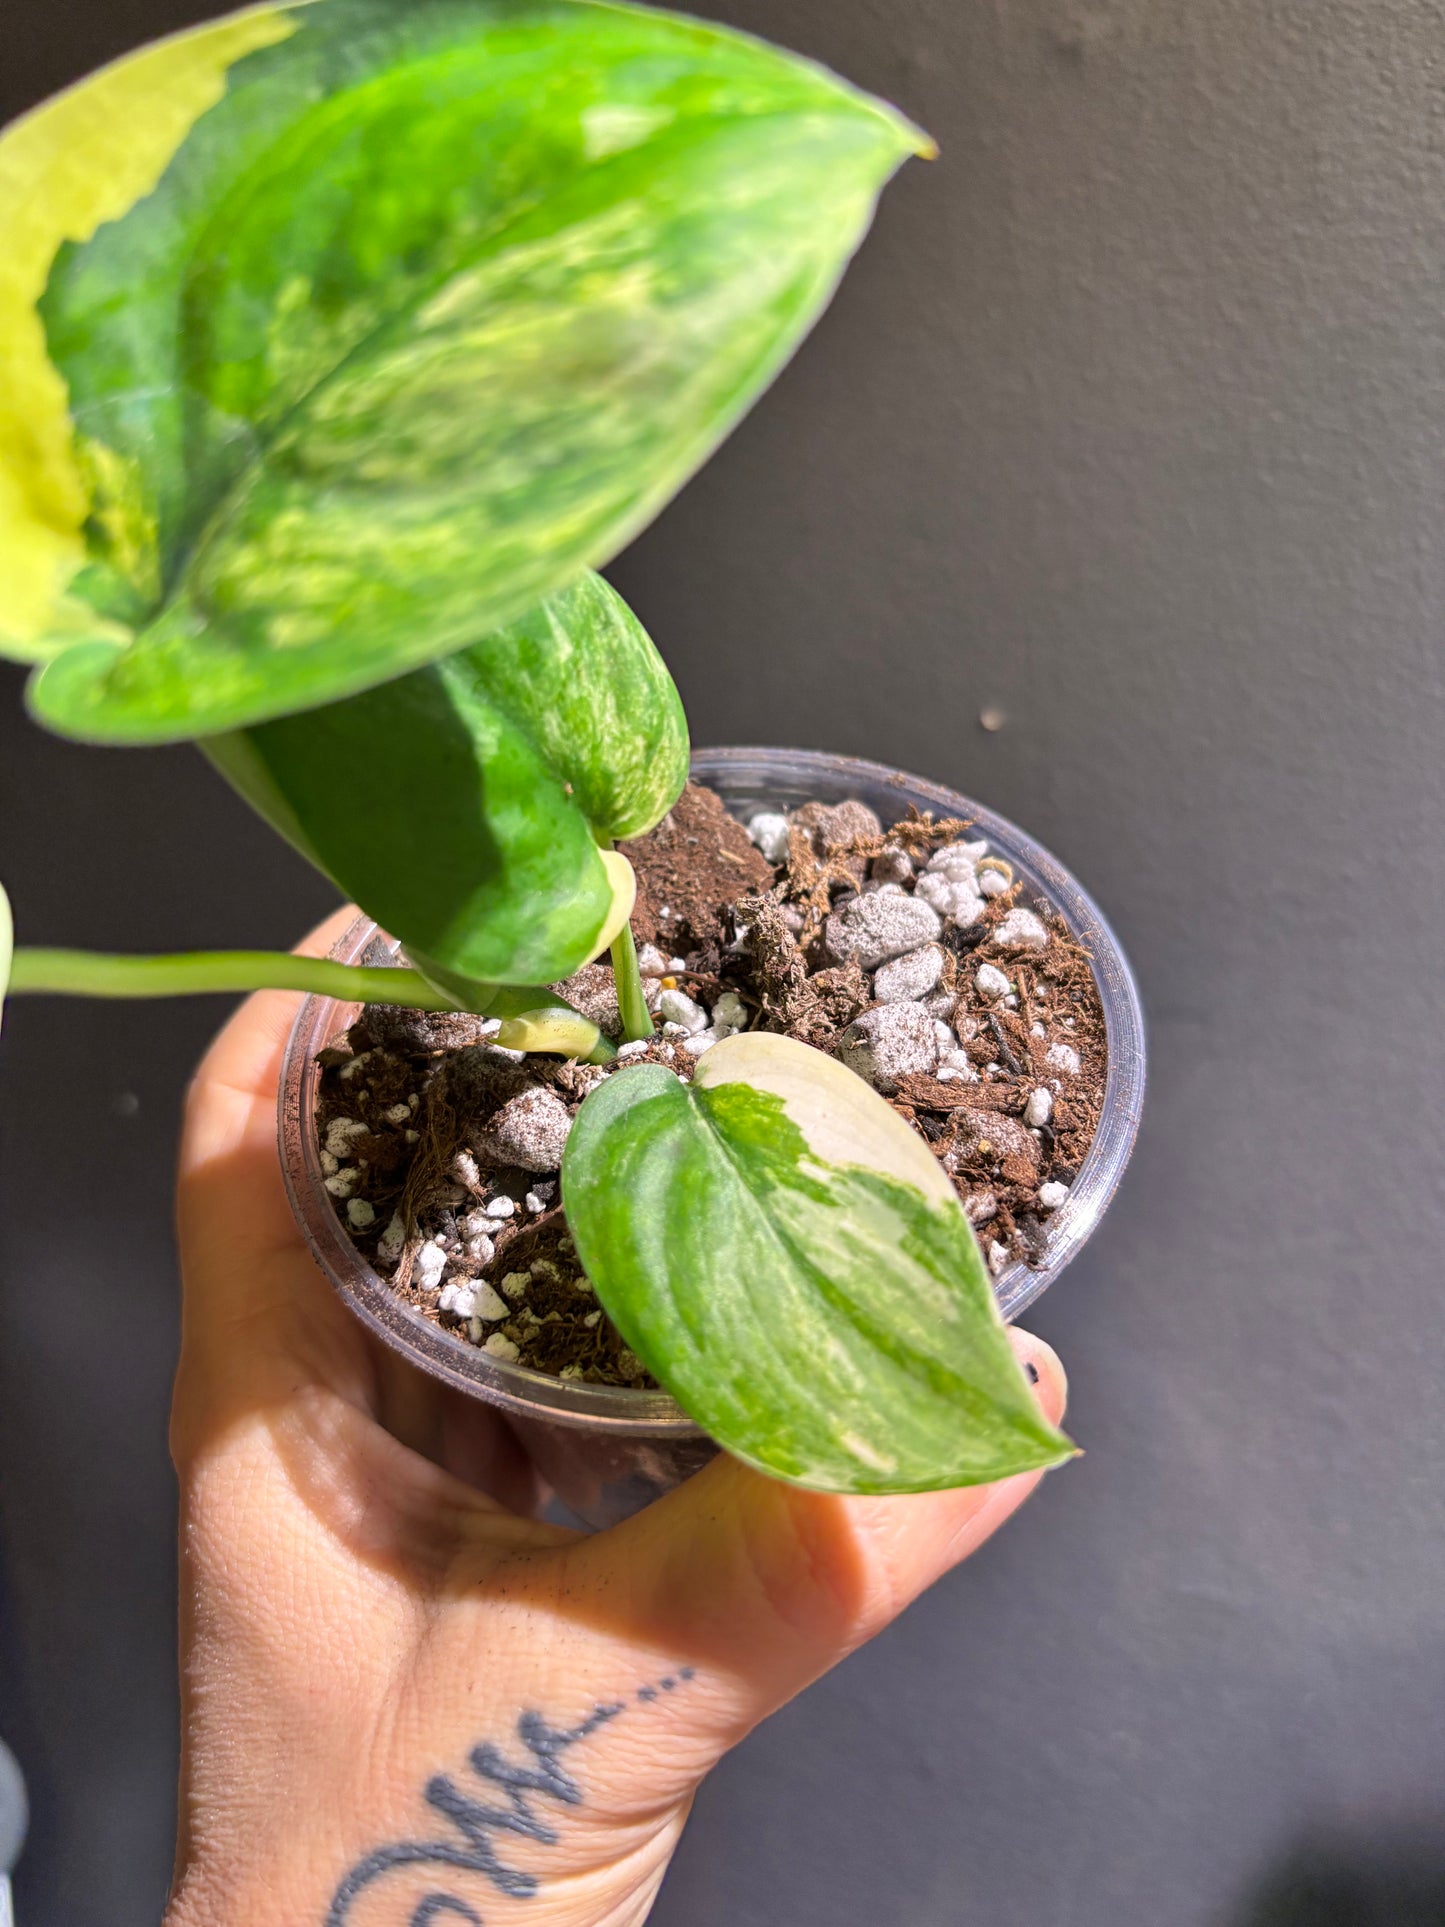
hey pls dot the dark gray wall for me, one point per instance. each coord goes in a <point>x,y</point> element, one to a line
<point>1131,421</point>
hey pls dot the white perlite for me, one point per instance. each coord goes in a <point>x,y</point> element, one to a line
<point>1051,1196</point>
<point>500,1208</point>
<point>957,859</point>
<point>1039,1108</point>
<point>515,1284</point>
<point>389,1245</point>
<point>431,1262</point>
<point>955,1067</point>
<point>635,1049</point>
<point>879,927</point>
<point>997,1257</point>
<point>731,1011</point>
<point>889,1042</point>
<point>500,1346</point>
<point>990,981</point>
<point>980,1206</point>
<point>910,976</point>
<point>702,1040</point>
<point>458,1298</point>
<point>342,1183</point>
<point>1021,930</point>
<point>769,832</point>
<point>651,962</point>
<point>360,1215</point>
<point>531,1130</point>
<point>1064,1058</point>
<point>951,896</point>
<point>486,1304</point>
<point>676,1007</point>
<point>339,1134</point>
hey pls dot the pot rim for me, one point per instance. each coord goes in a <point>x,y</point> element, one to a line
<point>772,773</point>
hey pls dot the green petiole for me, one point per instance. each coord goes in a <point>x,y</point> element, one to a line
<point>86,973</point>
<point>636,1017</point>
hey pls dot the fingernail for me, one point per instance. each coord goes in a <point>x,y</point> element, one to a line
<point>1043,1370</point>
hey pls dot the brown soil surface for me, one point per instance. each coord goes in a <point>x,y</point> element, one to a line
<point>690,870</point>
<point>407,1098</point>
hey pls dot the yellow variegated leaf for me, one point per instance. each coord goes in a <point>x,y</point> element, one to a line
<point>83,158</point>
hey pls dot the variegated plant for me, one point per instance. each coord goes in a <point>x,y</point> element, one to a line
<point>341,341</point>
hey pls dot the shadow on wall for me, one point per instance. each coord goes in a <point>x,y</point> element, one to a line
<point>1383,1876</point>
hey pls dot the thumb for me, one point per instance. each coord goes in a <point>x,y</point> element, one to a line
<point>761,1586</point>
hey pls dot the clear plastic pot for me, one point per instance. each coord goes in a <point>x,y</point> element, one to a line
<point>607,1451</point>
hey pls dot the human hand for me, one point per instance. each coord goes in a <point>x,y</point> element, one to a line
<point>403,1700</point>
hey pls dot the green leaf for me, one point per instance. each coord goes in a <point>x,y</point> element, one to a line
<point>789,1260</point>
<point>75,162</point>
<point>463,805</point>
<point>440,303</point>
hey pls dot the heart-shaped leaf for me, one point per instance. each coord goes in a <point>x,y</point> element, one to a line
<point>463,805</point>
<point>789,1260</point>
<point>438,304</point>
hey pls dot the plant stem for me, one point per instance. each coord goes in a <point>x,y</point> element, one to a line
<point>85,973</point>
<point>636,1017</point>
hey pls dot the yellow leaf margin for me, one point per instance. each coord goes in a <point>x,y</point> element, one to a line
<point>79,160</point>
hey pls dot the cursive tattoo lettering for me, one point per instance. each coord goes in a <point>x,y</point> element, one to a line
<point>477,1822</point>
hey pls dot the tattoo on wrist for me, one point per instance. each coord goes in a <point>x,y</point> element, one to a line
<point>472,1847</point>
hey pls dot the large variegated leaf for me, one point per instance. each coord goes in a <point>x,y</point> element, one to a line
<point>80,160</point>
<point>436,304</point>
<point>789,1260</point>
<point>463,805</point>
